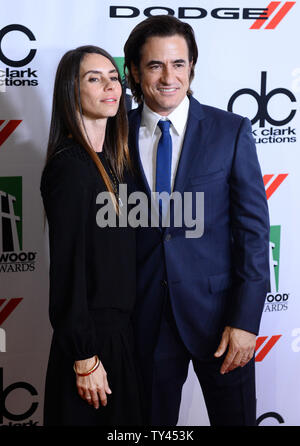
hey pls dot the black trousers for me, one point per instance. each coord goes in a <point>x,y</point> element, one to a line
<point>230,399</point>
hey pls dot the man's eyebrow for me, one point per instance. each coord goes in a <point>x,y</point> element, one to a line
<point>159,62</point>
<point>154,62</point>
<point>179,61</point>
<point>99,72</point>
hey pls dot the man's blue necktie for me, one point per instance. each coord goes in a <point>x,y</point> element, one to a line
<point>163,163</point>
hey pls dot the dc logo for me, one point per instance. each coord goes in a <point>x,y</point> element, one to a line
<point>4,392</point>
<point>23,29</point>
<point>262,100</point>
<point>274,415</point>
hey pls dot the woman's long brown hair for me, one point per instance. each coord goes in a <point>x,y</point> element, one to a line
<point>65,121</point>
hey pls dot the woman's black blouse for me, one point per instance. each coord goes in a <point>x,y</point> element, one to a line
<point>92,269</point>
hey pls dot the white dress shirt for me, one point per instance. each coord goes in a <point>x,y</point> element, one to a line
<point>149,136</point>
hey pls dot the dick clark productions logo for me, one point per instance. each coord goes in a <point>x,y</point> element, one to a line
<point>7,413</point>
<point>15,76</point>
<point>275,133</point>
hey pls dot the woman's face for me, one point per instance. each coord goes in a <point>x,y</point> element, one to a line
<point>100,89</point>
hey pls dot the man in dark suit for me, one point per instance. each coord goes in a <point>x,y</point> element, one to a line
<point>200,299</point>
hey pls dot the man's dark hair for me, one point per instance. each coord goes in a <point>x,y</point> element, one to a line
<point>156,26</point>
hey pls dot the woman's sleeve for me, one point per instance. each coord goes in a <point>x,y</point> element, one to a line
<point>67,201</point>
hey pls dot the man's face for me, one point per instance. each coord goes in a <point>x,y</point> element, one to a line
<point>164,72</point>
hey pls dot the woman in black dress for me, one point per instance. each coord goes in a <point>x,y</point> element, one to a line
<point>91,376</point>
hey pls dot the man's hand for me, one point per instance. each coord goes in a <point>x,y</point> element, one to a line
<point>241,347</point>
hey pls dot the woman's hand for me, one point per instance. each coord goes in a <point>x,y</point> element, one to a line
<point>94,386</point>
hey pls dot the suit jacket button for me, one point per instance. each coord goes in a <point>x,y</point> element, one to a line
<point>164,283</point>
<point>168,237</point>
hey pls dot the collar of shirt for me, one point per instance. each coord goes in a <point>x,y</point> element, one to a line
<point>178,117</point>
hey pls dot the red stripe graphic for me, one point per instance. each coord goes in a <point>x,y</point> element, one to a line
<point>260,341</point>
<point>9,128</point>
<point>267,178</point>
<point>275,184</point>
<point>276,19</point>
<point>280,14</point>
<point>9,307</point>
<point>271,8</point>
<point>265,350</point>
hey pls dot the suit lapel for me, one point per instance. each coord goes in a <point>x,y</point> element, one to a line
<point>133,140</point>
<point>192,144</point>
<point>134,127</point>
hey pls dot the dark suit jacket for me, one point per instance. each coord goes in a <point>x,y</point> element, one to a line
<point>222,277</point>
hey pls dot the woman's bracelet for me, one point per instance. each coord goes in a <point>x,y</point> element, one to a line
<point>89,371</point>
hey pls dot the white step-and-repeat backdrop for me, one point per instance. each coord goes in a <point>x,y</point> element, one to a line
<point>249,63</point>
